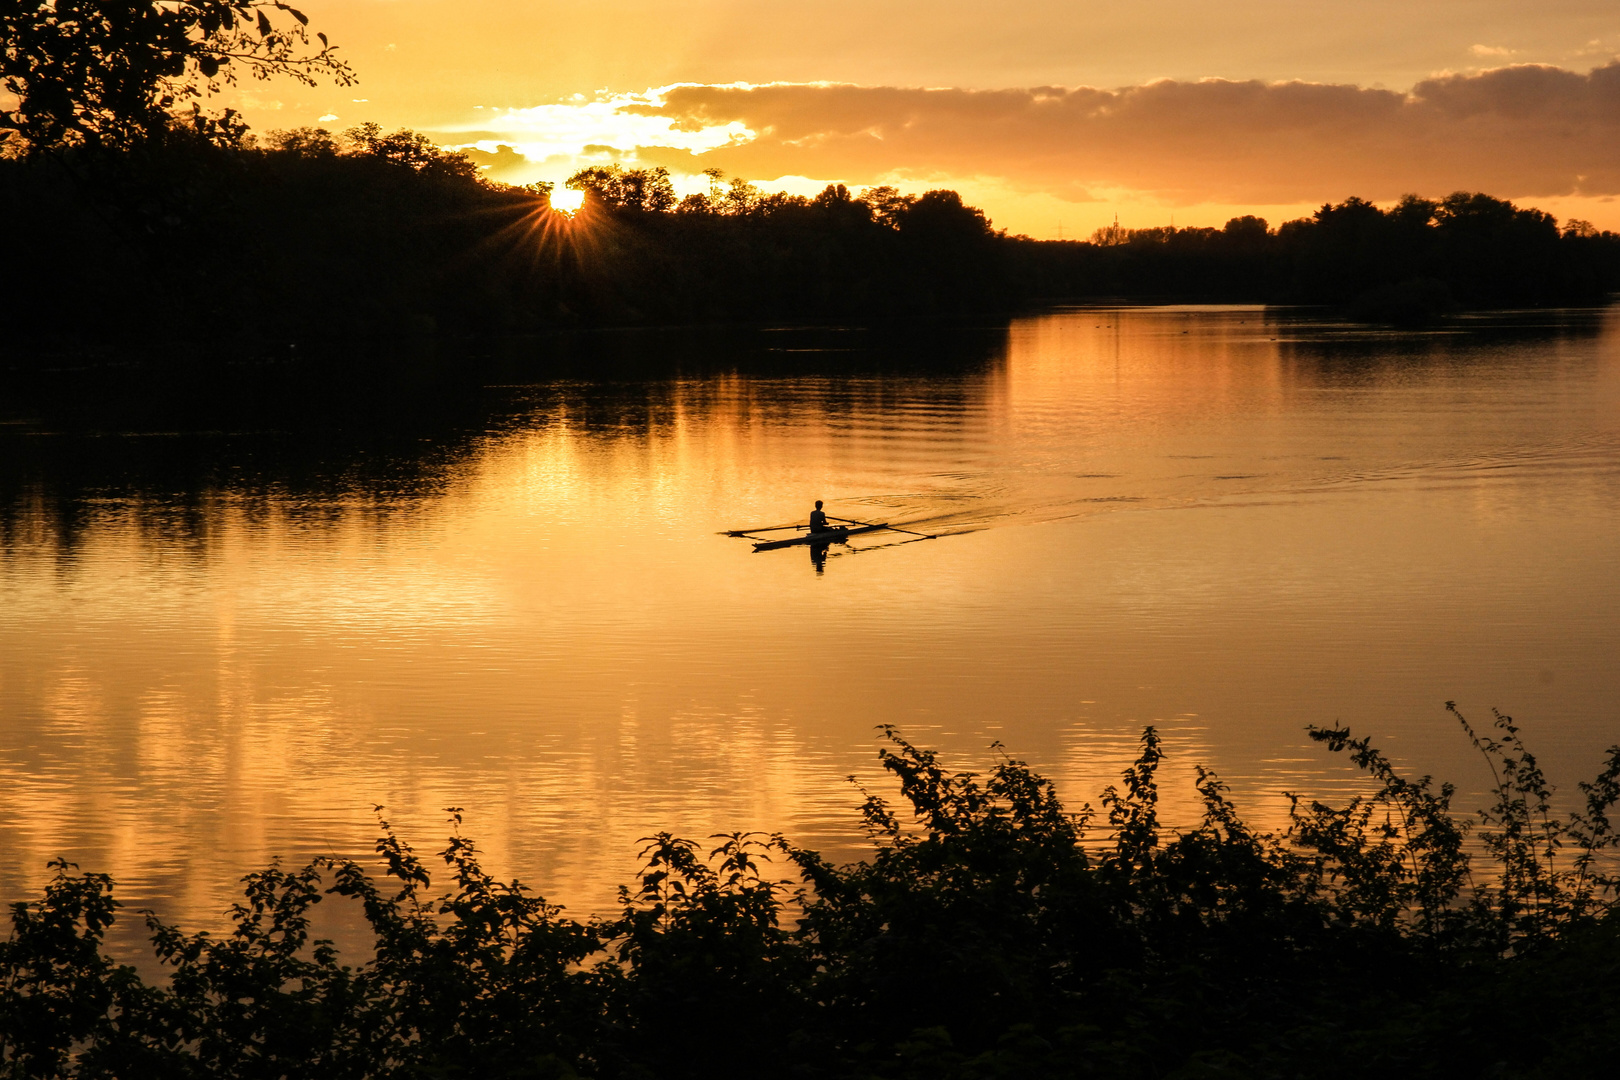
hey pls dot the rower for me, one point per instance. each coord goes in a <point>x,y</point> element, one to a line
<point>818,520</point>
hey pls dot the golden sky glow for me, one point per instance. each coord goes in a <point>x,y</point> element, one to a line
<point>1045,113</point>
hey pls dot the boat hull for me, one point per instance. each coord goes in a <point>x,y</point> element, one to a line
<point>835,536</point>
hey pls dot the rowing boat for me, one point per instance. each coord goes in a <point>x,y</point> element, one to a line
<point>832,536</point>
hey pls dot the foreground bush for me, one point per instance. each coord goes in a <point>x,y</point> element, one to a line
<point>992,933</point>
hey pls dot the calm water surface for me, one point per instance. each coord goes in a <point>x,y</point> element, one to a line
<point>227,639</point>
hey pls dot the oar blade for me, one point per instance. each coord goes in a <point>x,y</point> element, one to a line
<point>762,528</point>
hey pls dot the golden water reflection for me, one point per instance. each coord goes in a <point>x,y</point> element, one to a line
<point>1226,522</point>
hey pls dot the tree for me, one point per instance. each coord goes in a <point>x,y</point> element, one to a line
<point>302,142</point>
<point>411,150</point>
<point>627,189</point>
<point>1248,230</point>
<point>941,213</point>
<point>887,204</point>
<point>1414,212</point>
<point>113,74</point>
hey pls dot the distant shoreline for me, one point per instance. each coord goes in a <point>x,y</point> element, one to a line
<point>307,241</point>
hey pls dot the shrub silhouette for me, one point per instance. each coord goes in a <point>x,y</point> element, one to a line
<point>991,933</point>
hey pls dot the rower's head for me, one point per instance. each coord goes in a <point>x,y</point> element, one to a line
<point>818,504</point>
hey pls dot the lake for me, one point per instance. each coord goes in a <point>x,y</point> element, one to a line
<point>239,611</point>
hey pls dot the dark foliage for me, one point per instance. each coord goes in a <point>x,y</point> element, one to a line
<point>310,236</point>
<point>1419,260</point>
<point>992,933</point>
<point>107,76</point>
<point>303,236</point>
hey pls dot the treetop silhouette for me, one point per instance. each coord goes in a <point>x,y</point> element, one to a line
<point>113,74</point>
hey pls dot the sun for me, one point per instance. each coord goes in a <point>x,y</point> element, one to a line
<point>567,200</point>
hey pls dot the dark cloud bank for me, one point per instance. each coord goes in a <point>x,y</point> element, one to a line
<point>1520,131</point>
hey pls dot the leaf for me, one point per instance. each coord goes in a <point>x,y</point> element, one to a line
<point>303,20</point>
<point>324,42</point>
<point>264,25</point>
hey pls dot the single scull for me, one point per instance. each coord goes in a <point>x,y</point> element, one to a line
<point>832,536</point>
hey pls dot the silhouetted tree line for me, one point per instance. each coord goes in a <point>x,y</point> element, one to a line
<point>304,234</point>
<point>1418,259</point>
<point>991,933</point>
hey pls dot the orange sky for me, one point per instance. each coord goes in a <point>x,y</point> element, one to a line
<point>1046,114</point>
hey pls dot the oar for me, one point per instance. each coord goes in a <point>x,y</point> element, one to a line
<point>882,547</point>
<point>763,528</point>
<point>891,528</point>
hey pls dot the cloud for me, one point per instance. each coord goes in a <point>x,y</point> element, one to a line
<point>592,127</point>
<point>502,161</point>
<point>1518,131</point>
